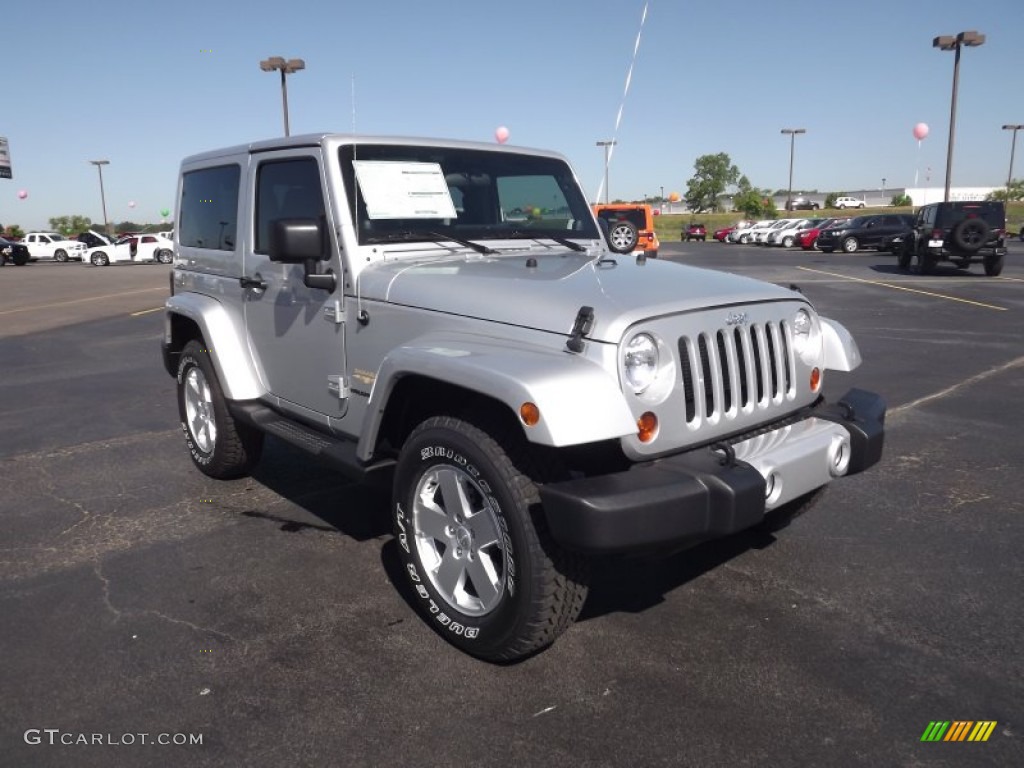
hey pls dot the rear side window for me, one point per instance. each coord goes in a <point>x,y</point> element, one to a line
<point>209,208</point>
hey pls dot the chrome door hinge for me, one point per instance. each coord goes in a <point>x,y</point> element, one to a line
<point>338,385</point>
<point>334,314</point>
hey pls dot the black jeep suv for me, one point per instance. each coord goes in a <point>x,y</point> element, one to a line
<point>960,232</point>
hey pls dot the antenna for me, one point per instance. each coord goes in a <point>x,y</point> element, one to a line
<point>353,103</point>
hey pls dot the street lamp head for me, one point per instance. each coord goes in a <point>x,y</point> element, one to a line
<point>294,65</point>
<point>944,43</point>
<point>100,162</point>
<point>789,131</point>
<point>1013,127</point>
<point>274,62</point>
<point>970,38</point>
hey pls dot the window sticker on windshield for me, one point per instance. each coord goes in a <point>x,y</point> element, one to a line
<point>404,190</point>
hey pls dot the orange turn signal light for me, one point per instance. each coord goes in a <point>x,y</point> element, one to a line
<point>815,379</point>
<point>529,413</point>
<point>647,427</point>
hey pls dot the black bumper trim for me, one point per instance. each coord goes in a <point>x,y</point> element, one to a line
<point>690,497</point>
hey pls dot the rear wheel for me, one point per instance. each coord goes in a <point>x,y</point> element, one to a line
<point>164,256</point>
<point>474,542</point>
<point>994,264</point>
<point>787,242</point>
<point>220,447</point>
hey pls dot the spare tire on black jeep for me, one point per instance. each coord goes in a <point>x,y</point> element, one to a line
<point>970,235</point>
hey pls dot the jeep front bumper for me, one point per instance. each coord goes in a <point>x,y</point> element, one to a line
<point>709,493</point>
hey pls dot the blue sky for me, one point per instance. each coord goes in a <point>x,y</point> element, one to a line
<point>144,84</point>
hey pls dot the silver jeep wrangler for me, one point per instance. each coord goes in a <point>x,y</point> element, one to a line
<point>447,316</point>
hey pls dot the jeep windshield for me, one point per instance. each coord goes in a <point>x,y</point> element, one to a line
<point>402,192</point>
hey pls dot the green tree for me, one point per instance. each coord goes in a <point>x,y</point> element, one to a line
<point>70,225</point>
<point>713,174</point>
<point>1014,192</point>
<point>14,232</point>
<point>901,201</point>
<point>830,198</point>
<point>755,203</point>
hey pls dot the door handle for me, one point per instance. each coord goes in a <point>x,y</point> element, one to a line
<point>256,283</point>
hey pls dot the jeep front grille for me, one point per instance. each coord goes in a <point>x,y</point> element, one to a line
<point>736,369</point>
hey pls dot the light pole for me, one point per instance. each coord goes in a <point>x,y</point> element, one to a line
<point>286,67</point>
<point>1013,146</point>
<point>103,198</point>
<point>792,132</point>
<point>607,145</point>
<point>971,38</point>
<point>883,190</point>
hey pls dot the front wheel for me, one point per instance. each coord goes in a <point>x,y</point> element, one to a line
<point>60,255</point>
<point>220,447</point>
<point>787,242</point>
<point>904,257</point>
<point>474,542</point>
<point>99,259</point>
<point>164,256</point>
<point>850,245</point>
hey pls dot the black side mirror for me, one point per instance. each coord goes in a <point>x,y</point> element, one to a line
<point>302,241</point>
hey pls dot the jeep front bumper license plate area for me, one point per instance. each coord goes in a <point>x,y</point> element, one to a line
<point>706,494</point>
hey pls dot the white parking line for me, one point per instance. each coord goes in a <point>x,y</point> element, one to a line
<point>904,288</point>
<point>145,311</point>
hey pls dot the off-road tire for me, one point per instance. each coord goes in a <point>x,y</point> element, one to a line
<point>994,264</point>
<point>60,255</point>
<point>220,447</point>
<point>530,590</point>
<point>622,236</point>
<point>904,257</point>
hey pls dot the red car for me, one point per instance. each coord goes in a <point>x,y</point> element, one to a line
<point>808,237</point>
<point>694,231</point>
<point>721,234</point>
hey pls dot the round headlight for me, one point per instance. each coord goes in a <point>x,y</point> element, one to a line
<point>802,323</point>
<point>640,365</point>
<point>805,336</point>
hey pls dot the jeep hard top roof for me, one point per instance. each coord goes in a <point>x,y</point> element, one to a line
<point>334,140</point>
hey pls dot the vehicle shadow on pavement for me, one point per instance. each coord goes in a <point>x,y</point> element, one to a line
<point>357,510</point>
<point>939,271</point>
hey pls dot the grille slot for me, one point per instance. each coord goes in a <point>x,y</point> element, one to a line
<point>735,369</point>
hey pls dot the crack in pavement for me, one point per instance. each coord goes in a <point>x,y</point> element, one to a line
<point>979,377</point>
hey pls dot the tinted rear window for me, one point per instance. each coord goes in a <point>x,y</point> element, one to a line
<point>209,208</point>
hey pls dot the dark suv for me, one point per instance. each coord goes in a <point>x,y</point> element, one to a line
<point>960,232</point>
<point>864,232</point>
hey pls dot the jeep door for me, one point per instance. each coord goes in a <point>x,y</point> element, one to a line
<point>295,332</point>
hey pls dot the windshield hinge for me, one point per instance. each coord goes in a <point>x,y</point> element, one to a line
<point>334,313</point>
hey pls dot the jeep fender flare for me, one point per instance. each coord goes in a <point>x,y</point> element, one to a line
<point>840,350</point>
<point>579,401</point>
<point>224,338</point>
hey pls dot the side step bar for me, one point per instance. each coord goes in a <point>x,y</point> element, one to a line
<point>340,454</point>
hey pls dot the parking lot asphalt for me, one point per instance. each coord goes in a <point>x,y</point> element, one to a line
<point>266,616</point>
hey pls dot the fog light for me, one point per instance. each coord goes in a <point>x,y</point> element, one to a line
<point>529,413</point>
<point>815,379</point>
<point>647,427</point>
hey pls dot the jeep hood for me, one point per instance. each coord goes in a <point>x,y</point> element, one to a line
<point>510,289</point>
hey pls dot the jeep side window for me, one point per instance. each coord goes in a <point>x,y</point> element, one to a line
<point>209,208</point>
<point>286,189</point>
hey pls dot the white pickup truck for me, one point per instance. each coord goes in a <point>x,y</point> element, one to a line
<point>50,245</point>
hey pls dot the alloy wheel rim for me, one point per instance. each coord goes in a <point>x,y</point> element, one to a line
<point>199,410</point>
<point>458,540</point>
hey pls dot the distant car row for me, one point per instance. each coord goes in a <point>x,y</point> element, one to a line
<point>90,248</point>
<point>847,234</point>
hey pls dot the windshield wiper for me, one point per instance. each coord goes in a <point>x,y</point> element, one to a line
<point>410,236</point>
<point>521,234</point>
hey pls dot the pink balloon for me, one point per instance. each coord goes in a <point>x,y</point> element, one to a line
<point>920,131</point>
<point>22,194</point>
<point>501,134</point>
